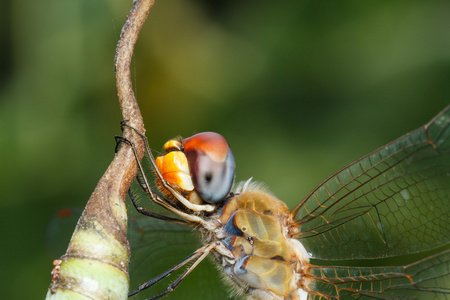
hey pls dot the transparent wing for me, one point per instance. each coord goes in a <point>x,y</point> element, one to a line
<point>394,201</point>
<point>425,279</point>
<point>158,245</point>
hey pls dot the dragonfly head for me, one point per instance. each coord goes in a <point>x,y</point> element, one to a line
<point>201,167</point>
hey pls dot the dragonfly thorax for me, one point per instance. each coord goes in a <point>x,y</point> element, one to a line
<point>266,262</point>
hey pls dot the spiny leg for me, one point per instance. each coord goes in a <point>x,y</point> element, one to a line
<point>148,213</point>
<point>142,183</point>
<point>147,150</point>
<point>197,257</point>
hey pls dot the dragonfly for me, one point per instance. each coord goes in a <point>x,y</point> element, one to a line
<point>377,229</point>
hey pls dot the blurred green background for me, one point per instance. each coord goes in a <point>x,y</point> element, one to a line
<point>299,89</point>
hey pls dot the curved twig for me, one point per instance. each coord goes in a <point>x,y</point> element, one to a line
<point>96,262</point>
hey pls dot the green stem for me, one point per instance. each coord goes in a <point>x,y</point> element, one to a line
<point>95,265</point>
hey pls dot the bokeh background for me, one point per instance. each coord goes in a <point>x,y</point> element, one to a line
<point>299,89</point>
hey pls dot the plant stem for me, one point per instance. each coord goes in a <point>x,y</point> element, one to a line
<point>95,265</point>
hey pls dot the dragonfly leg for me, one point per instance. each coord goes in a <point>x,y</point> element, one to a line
<point>197,257</point>
<point>148,213</point>
<point>148,151</point>
<point>119,141</point>
<point>154,196</point>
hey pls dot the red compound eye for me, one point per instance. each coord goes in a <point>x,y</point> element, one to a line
<point>211,164</point>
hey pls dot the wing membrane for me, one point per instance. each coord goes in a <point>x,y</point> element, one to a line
<point>394,201</point>
<point>425,279</point>
<point>158,245</point>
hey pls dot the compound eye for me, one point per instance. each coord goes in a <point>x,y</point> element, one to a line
<point>211,164</point>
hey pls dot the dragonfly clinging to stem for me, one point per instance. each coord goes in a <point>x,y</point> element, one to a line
<point>342,241</point>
